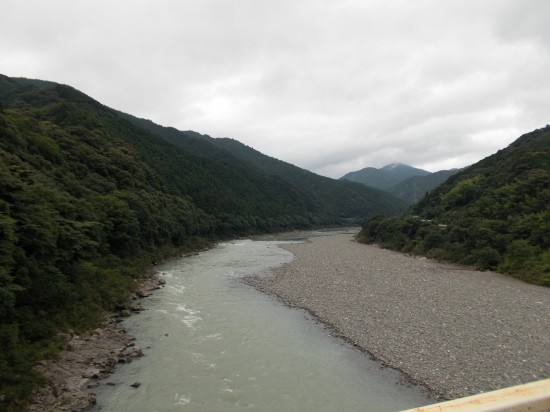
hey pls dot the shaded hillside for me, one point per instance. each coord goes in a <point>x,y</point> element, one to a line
<point>494,214</point>
<point>402,171</point>
<point>385,177</point>
<point>88,200</point>
<point>412,189</point>
<point>193,142</point>
<point>344,198</point>
<point>343,201</point>
<point>219,190</point>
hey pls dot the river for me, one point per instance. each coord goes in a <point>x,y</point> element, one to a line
<point>212,343</point>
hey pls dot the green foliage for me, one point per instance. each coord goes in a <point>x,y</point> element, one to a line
<point>412,189</point>
<point>328,201</point>
<point>16,359</point>
<point>385,177</point>
<point>493,215</point>
<point>90,197</point>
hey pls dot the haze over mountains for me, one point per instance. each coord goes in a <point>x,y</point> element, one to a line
<point>385,177</point>
<point>405,182</point>
<point>90,197</point>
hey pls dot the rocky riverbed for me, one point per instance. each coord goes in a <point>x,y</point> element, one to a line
<point>89,360</point>
<point>454,330</point>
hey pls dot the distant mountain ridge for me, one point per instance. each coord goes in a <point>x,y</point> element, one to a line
<point>385,177</point>
<point>414,188</point>
<point>345,195</point>
<point>342,199</point>
<point>402,171</point>
<point>405,182</point>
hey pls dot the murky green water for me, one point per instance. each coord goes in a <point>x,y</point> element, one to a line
<point>214,344</point>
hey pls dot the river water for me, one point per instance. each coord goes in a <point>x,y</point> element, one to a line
<point>212,343</point>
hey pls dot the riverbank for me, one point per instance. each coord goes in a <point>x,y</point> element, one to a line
<point>456,331</point>
<point>89,360</point>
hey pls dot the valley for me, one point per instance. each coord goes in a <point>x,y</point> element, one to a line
<point>93,199</point>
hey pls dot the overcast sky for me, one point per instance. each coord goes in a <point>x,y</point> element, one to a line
<point>329,85</point>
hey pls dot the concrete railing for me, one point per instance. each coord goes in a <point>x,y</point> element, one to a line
<point>530,397</point>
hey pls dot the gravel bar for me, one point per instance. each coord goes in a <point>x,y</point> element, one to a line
<point>456,331</point>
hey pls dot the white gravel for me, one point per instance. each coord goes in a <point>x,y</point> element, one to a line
<point>456,331</point>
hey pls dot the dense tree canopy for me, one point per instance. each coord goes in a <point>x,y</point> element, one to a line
<point>493,215</point>
<point>89,198</point>
<point>333,200</point>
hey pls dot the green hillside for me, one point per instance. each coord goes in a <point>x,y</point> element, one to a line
<point>346,199</point>
<point>90,197</point>
<point>414,188</point>
<point>337,201</point>
<point>385,177</point>
<point>493,215</point>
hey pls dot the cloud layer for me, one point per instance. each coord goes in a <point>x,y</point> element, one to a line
<point>329,86</point>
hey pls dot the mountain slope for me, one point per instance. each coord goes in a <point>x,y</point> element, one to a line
<point>385,177</point>
<point>494,214</point>
<point>373,177</point>
<point>402,172</point>
<point>89,199</point>
<point>339,199</point>
<point>414,188</point>
<point>345,197</point>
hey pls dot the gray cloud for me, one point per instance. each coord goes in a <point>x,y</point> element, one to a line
<point>329,86</point>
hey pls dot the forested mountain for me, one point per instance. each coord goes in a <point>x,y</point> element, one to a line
<point>494,214</point>
<point>336,198</point>
<point>405,182</point>
<point>402,171</point>
<point>348,197</point>
<point>412,189</point>
<point>90,197</point>
<point>385,177</point>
